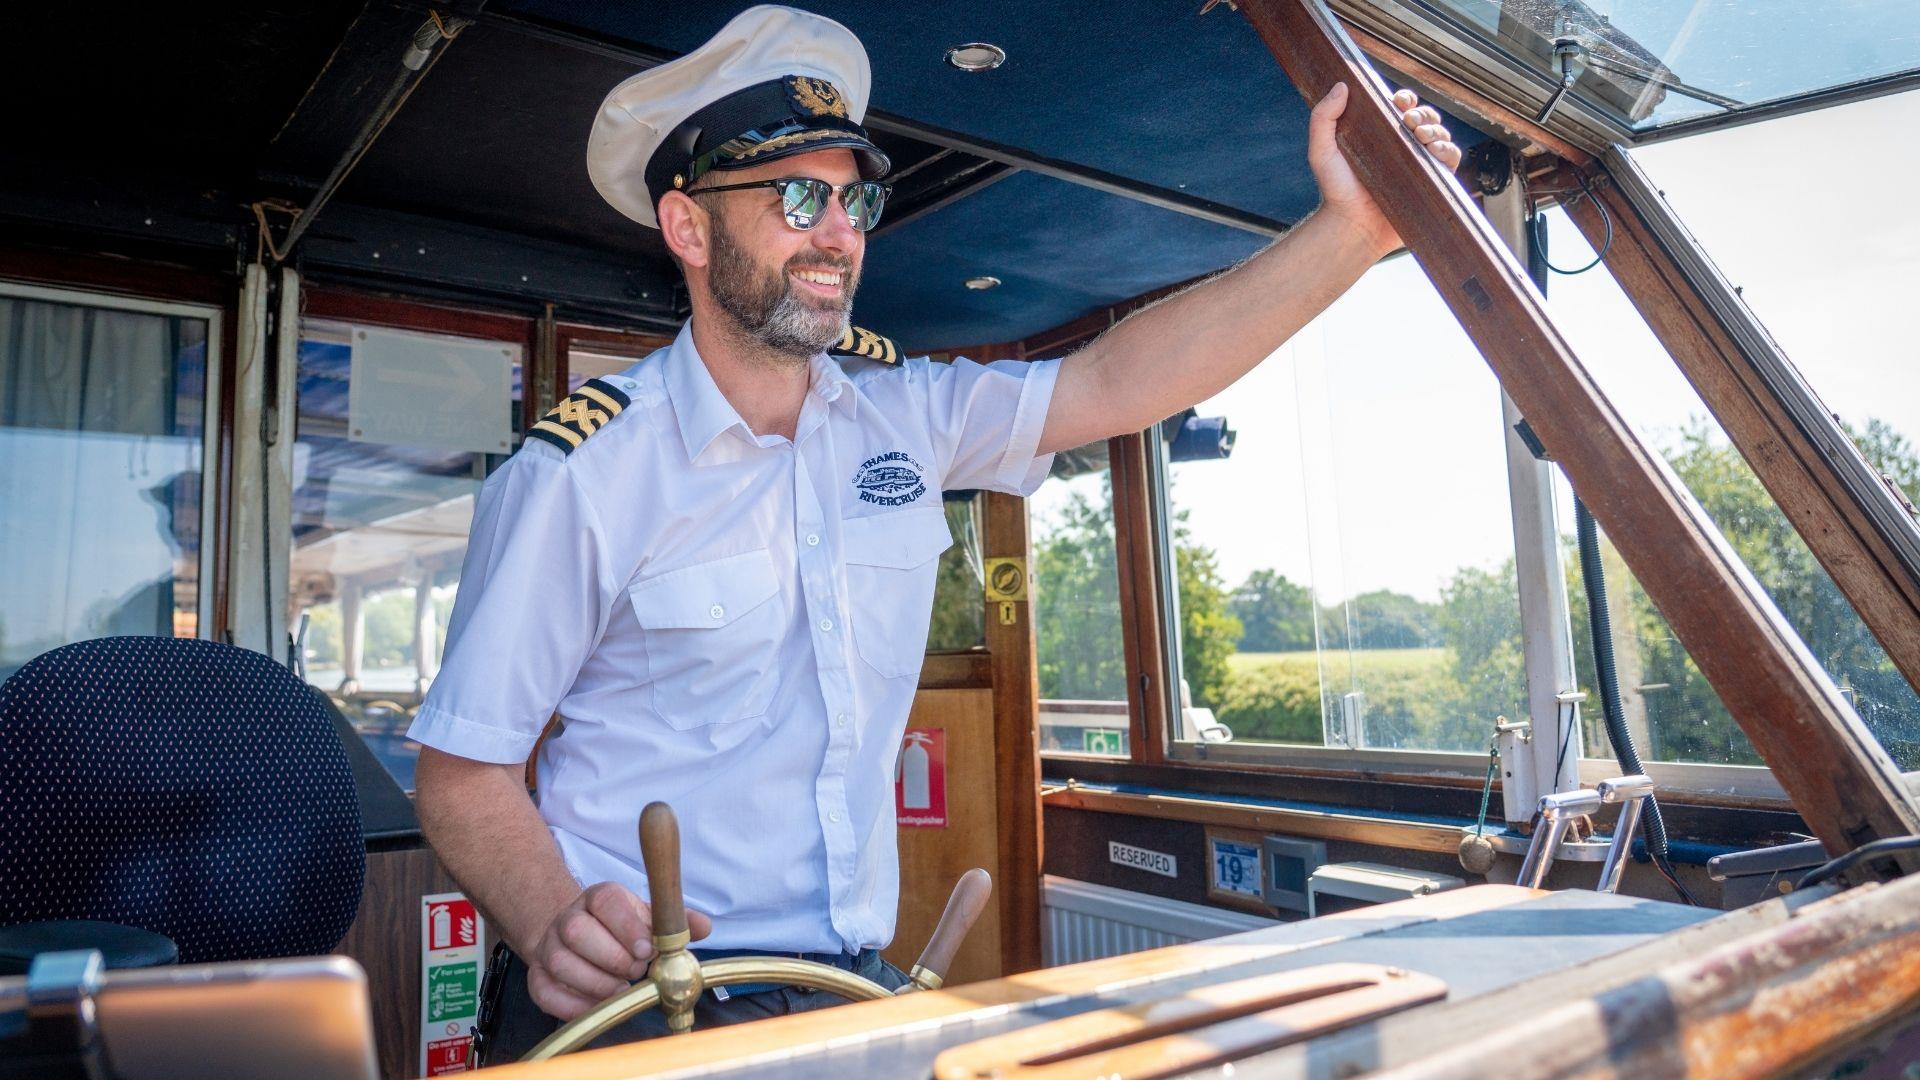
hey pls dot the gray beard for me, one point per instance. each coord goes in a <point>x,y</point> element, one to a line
<point>766,309</point>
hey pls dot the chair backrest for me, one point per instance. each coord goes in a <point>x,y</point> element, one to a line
<point>185,787</point>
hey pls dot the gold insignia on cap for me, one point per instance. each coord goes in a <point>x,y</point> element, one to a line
<point>579,415</point>
<point>815,97</point>
<point>781,141</point>
<point>859,341</point>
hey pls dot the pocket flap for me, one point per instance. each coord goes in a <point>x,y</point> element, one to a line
<point>903,539</point>
<point>705,596</point>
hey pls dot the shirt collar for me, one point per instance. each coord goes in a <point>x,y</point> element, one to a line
<point>704,413</point>
<point>832,384</point>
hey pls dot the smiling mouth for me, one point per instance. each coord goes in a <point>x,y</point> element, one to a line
<point>826,282</point>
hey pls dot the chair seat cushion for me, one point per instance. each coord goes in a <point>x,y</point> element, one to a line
<point>122,946</point>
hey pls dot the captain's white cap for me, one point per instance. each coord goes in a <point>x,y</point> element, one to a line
<point>773,82</point>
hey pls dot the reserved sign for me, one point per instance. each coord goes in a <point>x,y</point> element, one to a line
<point>1153,862</point>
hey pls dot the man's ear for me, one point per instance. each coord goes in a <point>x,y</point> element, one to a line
<point>685,226</point>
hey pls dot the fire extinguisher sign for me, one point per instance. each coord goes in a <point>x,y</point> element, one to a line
<point>920,779</point>
<point>452,940</point>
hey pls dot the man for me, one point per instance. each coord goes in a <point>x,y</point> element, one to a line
<point>717,567</point>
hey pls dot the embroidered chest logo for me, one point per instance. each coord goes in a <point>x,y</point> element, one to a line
<point>890,479</point>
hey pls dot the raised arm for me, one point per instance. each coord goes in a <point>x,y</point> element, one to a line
<point>1189,346</point>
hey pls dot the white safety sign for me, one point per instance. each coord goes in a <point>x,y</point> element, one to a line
<point>452,942</point>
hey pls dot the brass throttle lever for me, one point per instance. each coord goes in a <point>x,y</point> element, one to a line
<point>969,899</point>
<point>675,971</point>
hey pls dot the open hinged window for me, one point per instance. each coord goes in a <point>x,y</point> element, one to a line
<point>1758,633</point>
<point>1627,71</point>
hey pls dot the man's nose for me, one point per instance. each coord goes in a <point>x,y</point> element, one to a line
<point>835,234</point>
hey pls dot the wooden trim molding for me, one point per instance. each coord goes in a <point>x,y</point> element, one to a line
<point>1840,779</point>
<point>957,671</point>
<point>1139,598</point>
<point>378,309</point>
<point>1354,827</point>
<point>1016,736</point>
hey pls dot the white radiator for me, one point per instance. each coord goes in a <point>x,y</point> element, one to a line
<point>1089,922</point>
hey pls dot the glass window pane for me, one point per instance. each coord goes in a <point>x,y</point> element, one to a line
<point>1346,574</point>
<point>1650,62</point>
<point>1076,608</point>
<point>583,364</point>
<point>1832,272</point>
<point>959,606</point>
<point>101,443</point>
<point>379,531</point>
<point>1669,706</point>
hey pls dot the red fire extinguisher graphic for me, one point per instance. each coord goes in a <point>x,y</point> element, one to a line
<point>920,783</point>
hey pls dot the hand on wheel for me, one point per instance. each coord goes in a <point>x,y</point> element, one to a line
<point>593,948</point>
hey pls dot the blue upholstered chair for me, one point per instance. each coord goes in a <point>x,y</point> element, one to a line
<point>183,788</point>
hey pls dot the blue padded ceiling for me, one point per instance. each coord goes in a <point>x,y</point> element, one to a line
<point>1149,89</point>
<point>1059,249</point>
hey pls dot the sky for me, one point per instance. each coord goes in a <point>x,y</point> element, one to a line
<point>1370,454</point>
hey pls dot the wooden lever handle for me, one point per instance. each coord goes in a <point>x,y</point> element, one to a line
<point>969,899</point>
<point>660,850</point>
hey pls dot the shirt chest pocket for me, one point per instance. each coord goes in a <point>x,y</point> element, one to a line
<point>890,579</point>
<point>712,632</point>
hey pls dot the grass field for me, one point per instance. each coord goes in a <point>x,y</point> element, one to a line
<point>1410,697</point>
<point>1367,664</point>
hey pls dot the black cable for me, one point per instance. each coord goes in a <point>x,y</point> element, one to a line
<point>1540,240</point>
<point>1593,575</point>
<point>1871,850</point>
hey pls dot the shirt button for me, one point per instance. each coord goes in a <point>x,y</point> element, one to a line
<point>840,721</point>
<point>717,611</point>
<point>826,624</point>
<point>834,817</point>
<point>813,539</point>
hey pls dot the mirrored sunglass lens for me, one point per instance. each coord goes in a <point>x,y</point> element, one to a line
<point>803,200</point>
<point>865,201</point>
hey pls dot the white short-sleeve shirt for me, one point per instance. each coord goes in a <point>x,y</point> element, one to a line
<point>731,623</point>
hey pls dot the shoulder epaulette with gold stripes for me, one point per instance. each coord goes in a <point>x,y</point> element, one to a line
<point>582,413</point>
<point>861,342</point>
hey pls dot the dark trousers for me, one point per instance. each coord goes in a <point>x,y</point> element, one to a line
<point>519,1025</point>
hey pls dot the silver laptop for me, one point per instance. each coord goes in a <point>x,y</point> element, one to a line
<point>299,1018</point>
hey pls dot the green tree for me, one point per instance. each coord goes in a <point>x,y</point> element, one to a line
<point>1209,632</point>
<point>1077,609</point>
<point>1479,620</point>
<point>1077,604</point>
<point>323,635</point>
<point>1276,614</point>
<point>389,629</point>
<point>1686,720</point>
<point>1384,619</point>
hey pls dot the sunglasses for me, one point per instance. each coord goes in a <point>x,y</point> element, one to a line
<point>803,199</point>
